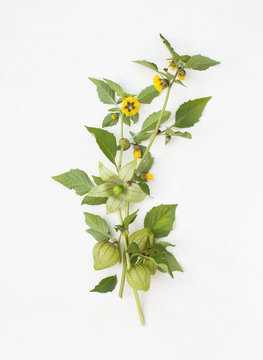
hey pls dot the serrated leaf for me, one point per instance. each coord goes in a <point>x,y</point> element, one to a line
<point>105,93</point>
<point>89,200</point>
<point>134,194</point>
<point>189,113</point>
<point>148,94</point>
<point>115,87</point>
<point>97,223</point>
<point>160,220</point>
<point>145,188</point>
<point>108,121</point>
<point>106,141</point>
<point>170,48</point>
<point>185,134</point>
<point>102,190</point>
<point>107,284</point>
<point>147,64</point>
<point>127,171</point>
<point>75,179</point>
<point>151,121</point>
<point>113,203</point>
<point>130,219</point>
<point>199,62</point>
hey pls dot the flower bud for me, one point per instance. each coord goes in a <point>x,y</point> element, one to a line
<point>151,265</point>
<point>124,143</point>
<point>146,176</point>
<point>139,277</point>
<point>137,152</point>
<point>167,139</point>
<point>127,184</point>
<point>105,255</point>
<point>140,237</point>
<point>181,74</point>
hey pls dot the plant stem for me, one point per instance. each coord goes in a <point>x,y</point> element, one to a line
<point>123,275</point>
<point>121,151</point>
<point>139,307</point>
<point>155,130</point>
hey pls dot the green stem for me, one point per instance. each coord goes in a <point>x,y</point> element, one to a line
<point>121,151</point>
<point>139,307</point>
<point>123,275</point>
<point>155,130</point>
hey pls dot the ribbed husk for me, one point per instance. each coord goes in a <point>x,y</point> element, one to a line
<point>140,237</point>
<point>151,265</point>
<point>105,255</point>
<point>139,277</point>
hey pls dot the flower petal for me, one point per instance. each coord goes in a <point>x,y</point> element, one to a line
<point>113,203</point>
<point>102,190</point>
<point>127,171</point>
<point>134,194</point>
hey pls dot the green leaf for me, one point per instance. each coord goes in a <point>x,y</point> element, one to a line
<point>75,179</point>
<point>172,262</point>
<point>179,82</point>
<point>148,161</point>
<point>98,180</point>
<point>165,243</point>
<point>106,141</point>
<point>97,235</point>
<point>147,64</point>
<point>105,93</point>
<point>115,87</point>
<point>107,175</point>
<point>160,220</point>
<point>130,219</point>
<point>97,223</point>
<point>141,136</point>
<point>185,58</point>
<point>108,121</point>
<point>135,118</point>
<point>185,134</point>
<point>148,94</point>
<point>145,188</point>
<point>89,200</point>
<point>113,203</point>
<point>133,248</point>
<point>127,120</point>
<point>127,171</point>
<point>134,194</point>
<point>170,48</point>
<point>190,112</point>
<point>114,109</point>
<point>199,62</point>
<point>106,285</point>
<point>151,121</point>
<point>102,190</point>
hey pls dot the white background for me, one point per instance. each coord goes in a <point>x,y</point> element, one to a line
<point>211,311</point>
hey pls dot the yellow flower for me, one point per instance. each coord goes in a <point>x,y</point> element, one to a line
<point>146,176</point>
<point>172,65</point>
<point>137,152</point>
<point>130,106</point>
<point>149,176</point>
<point>159,83</point>
<point>181,74</point>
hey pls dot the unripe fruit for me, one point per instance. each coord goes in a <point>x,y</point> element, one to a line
<point>124,143</point>
<point>117,189</point>
<point>140,237</point>
<point>105,255</point>
<point>151,265</point>
<point>139,277</point>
